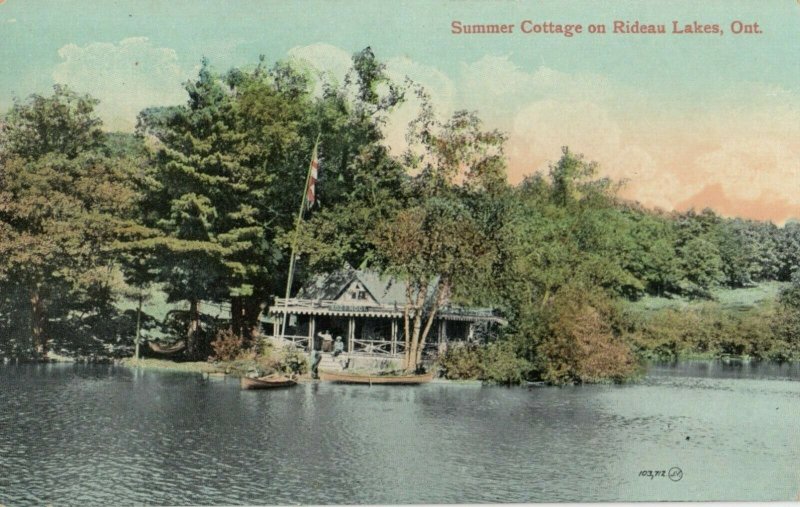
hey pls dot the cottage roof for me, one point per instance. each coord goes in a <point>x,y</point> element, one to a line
<point>385,290</point>
<point>325,295</point>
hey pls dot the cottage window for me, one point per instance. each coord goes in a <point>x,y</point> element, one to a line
<point>358,292</point>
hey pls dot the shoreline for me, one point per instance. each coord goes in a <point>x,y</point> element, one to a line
<point>225,369</point>
<point>164,364</point>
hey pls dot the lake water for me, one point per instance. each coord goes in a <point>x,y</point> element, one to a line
<point>97,435</point>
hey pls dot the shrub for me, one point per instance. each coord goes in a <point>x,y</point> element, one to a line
<point>709,330</point>
<point>462,362</point>
<point>496,362</point>
<point>291,360</point>
<point>583,342</point>
<point>227,345</point>
<point>503,365</point>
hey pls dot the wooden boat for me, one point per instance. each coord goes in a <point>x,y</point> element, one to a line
<point>266,382</point>
<point>170,349</point>
<point>358,378</point>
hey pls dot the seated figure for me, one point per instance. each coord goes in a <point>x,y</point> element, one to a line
<point>338,347</point>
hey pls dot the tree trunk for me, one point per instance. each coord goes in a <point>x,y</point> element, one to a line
<point>412,363</point>
<point>138,325</point>
<point>407,325</point>
<point>192,345</point>
<point>251,310</point>
<point>441,292</point>
<point>38,324</point>
<point>237,316</point>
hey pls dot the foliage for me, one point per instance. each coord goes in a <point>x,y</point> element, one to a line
<point>710,330</point>
<point>496,362</point>
<point>462,362</point>
<point>503,365</point>
<point>227,346</point>
<point>583,341</point>
<point>786,324</point>
<point>203,201</point>
<point>64,202</point>
<point>290,360</point>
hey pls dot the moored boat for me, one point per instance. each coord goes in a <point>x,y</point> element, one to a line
<point>358,378</point>
<point>266,382</point>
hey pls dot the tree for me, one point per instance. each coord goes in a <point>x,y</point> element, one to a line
<point>64,200</point>
<point>434,242</point>
<point>697,249</point>
<point>788,250</point>
<point>230,167</point>
<point>786,322</point>
<point>360,182</point>
<point>437,248</point>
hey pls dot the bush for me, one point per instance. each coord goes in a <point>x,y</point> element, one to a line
<point>761,333</point>
<point>290,360</point>
<point>584,341</point>
<point>503,365</point>
<point>227,345</point>
<point>462,362</point>
<point>496,362</point>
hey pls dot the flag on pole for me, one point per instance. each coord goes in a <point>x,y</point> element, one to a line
<point>311,193</point>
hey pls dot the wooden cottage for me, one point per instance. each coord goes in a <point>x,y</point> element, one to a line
<point>365,309</point>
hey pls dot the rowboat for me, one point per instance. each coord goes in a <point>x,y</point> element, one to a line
<point>266,382</point>
<point>170,349</point>
<point>357,378</point>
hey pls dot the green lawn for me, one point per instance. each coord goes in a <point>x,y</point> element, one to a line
<point>728,299</point>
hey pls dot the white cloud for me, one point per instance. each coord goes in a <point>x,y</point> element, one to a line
<point>328,63</point>
<point>126,77</point>
<point>744,138</point>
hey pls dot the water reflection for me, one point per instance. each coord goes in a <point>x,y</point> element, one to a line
<point>103,434</point>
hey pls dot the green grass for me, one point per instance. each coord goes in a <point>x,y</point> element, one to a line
<point>727,299</point>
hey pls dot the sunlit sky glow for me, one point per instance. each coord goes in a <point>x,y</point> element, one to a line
<point>691,120</point>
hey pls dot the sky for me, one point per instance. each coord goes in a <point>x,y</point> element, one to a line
<point>685,120</point>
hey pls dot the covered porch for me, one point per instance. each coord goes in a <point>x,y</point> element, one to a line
<point>374,332</point>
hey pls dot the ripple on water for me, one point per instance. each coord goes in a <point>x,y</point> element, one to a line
<point>102,435</point>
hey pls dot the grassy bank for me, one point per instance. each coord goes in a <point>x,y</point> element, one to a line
<point>737,323</point>
<point>738,300</point>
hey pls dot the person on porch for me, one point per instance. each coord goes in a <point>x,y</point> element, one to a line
<point>327,340</point>
<point>338,347</point>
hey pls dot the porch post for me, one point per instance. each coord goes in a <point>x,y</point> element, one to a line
<point>470,331</point>
<point>274,327</point>
<point>443,332</point>
<point>394,337</point>
<point>351,333</point>
<point>312,325</point>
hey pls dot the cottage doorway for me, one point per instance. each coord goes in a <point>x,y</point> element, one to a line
<point>336,326</point>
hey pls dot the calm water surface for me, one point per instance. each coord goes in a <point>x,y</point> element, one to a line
<point>92,435</point>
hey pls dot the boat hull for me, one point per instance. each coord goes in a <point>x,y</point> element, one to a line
<point>266,383</point>
<point>351,378</point>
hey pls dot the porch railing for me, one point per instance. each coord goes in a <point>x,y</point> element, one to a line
<point>299,341</point>
<point>372,347</point>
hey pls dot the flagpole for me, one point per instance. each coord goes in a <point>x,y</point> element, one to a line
<point>293,257</point>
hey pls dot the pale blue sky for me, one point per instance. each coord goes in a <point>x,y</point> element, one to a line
<point>236,32</point>
<point>672,114</point>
